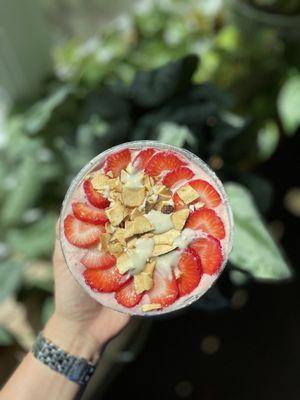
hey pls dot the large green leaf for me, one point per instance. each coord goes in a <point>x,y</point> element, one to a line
<point>175,135</point>
<point>254,249</point>
<point>34,241</point>
<point>152,88</point>
<point>23,192</point>
<point>288,104</point>
<point>10,277</point>
<point>40,113</point>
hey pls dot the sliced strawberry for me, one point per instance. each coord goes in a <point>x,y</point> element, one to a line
<point>117,161</point>
<point>97,259</point>
<point>142,158</point>
<point>163,161</point>
<point>86,213</point>
<point>207,194</point>
<point>179,174</point>
<point>104,280</point>
<point>164,290</point>
<point>127,295</point>
<point>94,197</point>
<point>190,269</point>
<point>210,252</point>
<point>207,221</point>
<point>81,234</point>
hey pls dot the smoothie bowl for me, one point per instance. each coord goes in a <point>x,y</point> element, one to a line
<point>146,228</point>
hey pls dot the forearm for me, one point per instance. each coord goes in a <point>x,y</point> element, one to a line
<point>34,380</point>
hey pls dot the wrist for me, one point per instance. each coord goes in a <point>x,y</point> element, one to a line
<point>72,338</point>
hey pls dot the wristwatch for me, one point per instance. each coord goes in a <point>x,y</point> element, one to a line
<point>76,369</point>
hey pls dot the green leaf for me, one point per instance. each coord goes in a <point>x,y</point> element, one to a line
<point>175,135</point>
<point>47,310</point>
<point>6,338</point>
<point>288,104</point>
<point>36,240</point>
<point>267,140</point>
<point>26,187</point>
<point>152,88</point>
<point>254,250</point>
<point>10,277</point>
<point>40,113</point>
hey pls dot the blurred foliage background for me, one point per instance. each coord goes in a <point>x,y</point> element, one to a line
<point>219,78</point>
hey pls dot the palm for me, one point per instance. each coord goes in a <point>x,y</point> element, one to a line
<point>73,304</point>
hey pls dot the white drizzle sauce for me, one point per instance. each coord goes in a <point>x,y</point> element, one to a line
<point>161,222</point>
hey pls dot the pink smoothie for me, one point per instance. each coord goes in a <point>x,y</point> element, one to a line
<point>166,262</point>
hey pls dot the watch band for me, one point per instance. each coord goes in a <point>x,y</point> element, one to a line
<point>76,369</point>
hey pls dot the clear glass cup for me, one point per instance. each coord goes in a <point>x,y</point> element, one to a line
<point>96,163</point>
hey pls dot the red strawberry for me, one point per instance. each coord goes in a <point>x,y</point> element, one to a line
<point>97,259</point>
<point>127,295</point>
<point>142,158</point>
<point>86,213</point>
<point>94,197</point>
<point>104,280</point>
<point>207,194</point>
<point>210,252</point>
<point>161,162</point>
<point>190,269</point>
<point>81,234</point>
<point>164,290</point>
<point>207,221</point>
<point>117,161</point>
<point>179,174</point>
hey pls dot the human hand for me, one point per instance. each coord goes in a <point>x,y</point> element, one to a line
<point>79,324</point>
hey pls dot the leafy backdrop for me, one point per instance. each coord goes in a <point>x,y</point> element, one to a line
<point>148,76</point>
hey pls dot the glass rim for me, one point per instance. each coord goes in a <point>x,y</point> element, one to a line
<point>139,144</point>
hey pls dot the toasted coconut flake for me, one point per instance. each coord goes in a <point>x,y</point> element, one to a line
<point>164,193</point>
<point>187,194</point>
<point>166,237</point>
<point>120,236</point>
<point>104,241</point>
<point>116,213</point>
<point>135,213</point>
<point>142,282</point>
<point>99,181</point>
<point>124,263</point>
<point>150,267</point>
<point>133,197</point>
<point>160,249</point>
<point>179,218</point>
<point>116,249</point>
<point>151,307</point>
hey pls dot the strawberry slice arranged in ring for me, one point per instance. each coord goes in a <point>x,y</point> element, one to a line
<point>104,280</point>
<point>81,234</point>
<point>117,161</point>
<point>164,290</point>
<point>163,161</point>
<point>95,258</point>
<point>207,221</point>
<point>142,158</point>
<point>127,296</point>
<point>85,213</point>
<point>190,269</point>
<point>210,252</point>
<point>94,197</point>
<point>207,194</point>
<point>178,175</point>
